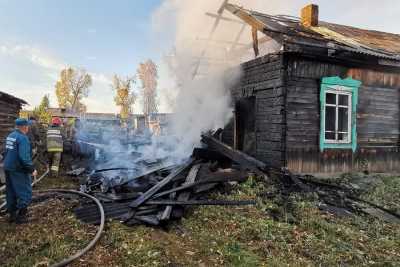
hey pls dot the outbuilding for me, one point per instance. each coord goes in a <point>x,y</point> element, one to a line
<point>10,107</point>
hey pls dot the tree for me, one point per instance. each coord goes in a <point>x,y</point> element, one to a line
<point>147,73</point>
<point>41,111</point>
<point>125,97</point>
<point>72,87</point>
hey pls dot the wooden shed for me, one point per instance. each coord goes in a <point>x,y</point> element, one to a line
<point>326,100</point>
<point>10,107</point>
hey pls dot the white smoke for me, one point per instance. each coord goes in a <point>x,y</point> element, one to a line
<point>202,88</point>
<point>201,105</point>
<point>203,74</point>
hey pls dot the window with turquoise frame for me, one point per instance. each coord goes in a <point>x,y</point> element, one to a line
<point>339,99</point>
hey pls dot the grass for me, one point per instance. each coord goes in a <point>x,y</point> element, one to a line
<point>386,193</point>
<point>217,236</point>
<point>53,234</point>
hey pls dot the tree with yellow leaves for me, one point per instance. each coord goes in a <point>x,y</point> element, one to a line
<point>147,73</point>
<point>125,97</point>
<point>71,88</point>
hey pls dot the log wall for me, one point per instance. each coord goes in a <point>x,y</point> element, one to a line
<point>287,90</point>
<point>264,78</point>
<point>9,112</point>
<point>378,120</point>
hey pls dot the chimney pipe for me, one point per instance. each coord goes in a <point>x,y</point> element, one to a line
<point>309,16</point>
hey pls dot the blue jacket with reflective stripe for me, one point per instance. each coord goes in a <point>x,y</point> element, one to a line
<point>18,155</point>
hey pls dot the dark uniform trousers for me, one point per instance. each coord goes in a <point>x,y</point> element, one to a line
<point>18,167</point>
<point>18,190</point>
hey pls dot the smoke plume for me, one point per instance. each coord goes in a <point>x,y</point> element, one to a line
<point>200,62</point>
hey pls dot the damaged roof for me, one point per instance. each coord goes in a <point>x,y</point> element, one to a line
<point>332,36</point>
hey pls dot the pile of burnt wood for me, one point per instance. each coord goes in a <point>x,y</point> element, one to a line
<point>156,192</point>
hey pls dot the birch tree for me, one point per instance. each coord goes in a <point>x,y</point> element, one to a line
<point>147,73</point>
<point>125,97</point>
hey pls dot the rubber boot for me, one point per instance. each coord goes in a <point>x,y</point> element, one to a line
<point>22,216</point>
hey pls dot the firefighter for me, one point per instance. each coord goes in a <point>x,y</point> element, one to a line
<point>55,145</point>
<point>18,167</point>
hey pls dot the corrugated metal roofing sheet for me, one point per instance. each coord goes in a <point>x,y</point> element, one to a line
<point>375,43</point>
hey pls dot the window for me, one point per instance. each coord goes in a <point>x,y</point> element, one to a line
<point>337,117</point>
<point>338,109</point>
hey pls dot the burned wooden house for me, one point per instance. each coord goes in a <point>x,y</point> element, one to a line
<point>10,107</point>
<point>326,99</point>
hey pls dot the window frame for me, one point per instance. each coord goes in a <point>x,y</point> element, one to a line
<point>337,93</point>
<point>338,86</point>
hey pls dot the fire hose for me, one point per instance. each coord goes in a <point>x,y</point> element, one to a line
<point>99,231</point>
<point>80,253</point>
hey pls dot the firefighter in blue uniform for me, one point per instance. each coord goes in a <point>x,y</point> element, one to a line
<point>18,167</point>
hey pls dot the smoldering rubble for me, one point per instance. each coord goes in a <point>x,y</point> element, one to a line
<point>139,181</point>
<point>142,179</point>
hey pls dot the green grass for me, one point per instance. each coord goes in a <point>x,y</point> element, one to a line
<point>221,236</point>
<point>386,193</point>
<point>53,234</point>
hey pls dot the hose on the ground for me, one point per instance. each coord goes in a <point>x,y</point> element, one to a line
<point>80,253</point>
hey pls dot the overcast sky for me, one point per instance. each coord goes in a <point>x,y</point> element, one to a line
<point>40,37</point>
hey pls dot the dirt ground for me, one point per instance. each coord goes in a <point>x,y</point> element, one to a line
<point>268,234</point>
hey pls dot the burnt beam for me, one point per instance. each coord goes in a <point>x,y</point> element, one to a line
<point>202,202</point>
<point>147,195</point>
<point>237,156</point>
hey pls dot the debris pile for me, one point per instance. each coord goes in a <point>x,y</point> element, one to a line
<point>154,192</point>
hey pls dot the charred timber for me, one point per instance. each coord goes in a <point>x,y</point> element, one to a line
<point>202,202</point>
<point>217,178</point>
<point>147,195</point>
<point>237,156</point>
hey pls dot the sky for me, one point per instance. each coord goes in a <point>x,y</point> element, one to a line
<point>40,37</point>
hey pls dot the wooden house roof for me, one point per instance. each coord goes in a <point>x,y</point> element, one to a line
<point>12,98</point>
<point>288,29</point>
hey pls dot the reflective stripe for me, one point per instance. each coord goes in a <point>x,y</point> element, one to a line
<point>54,140</point>
<point>54,168</point>
<point>55,149</point>
<point>54,135</point>
<point>11,139</point>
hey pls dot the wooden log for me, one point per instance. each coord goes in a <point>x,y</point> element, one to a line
<point>202,202</point>
<point>216,177</point>
<point>190,179</point>
<point>149,193</point>
<point>166,213</point>
<point>237,156</point>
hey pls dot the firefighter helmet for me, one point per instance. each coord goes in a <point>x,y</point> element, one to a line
<point>56,121</point>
